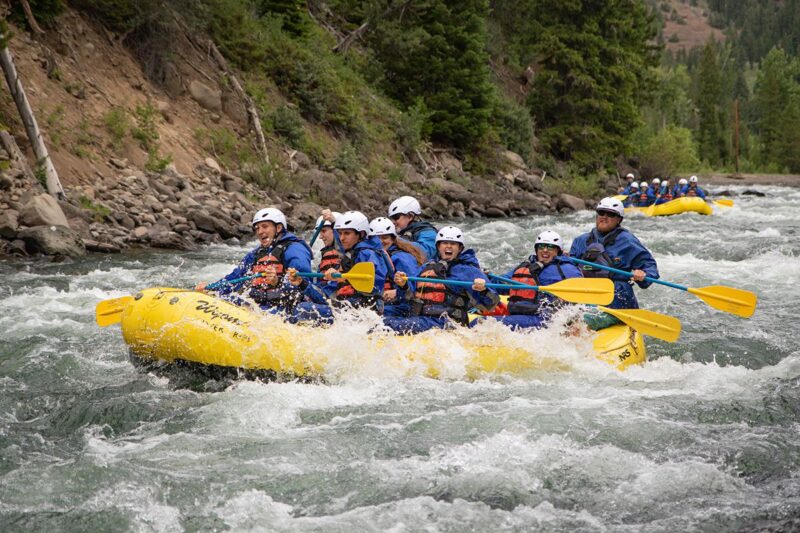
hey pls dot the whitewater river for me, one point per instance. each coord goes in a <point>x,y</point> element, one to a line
<point>704,437</point>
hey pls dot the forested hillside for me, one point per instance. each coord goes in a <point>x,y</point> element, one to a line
<point>584,87</point>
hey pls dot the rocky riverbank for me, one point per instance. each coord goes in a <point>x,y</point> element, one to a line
<point>133,208</point>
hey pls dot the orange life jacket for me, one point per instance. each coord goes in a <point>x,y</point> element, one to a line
<point>331,259</point>
<point>437,299</point>
<point>266,258</point>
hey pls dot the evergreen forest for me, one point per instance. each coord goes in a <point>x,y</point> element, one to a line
<point>573,86</point>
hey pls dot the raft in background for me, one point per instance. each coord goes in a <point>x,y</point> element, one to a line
<point>685,204</point>
<point>179,325</point>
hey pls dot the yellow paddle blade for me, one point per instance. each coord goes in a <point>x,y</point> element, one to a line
<point>734,301</point>
<point>596,291</point>
<point>724,202</point>
<point>109,312</point>
<point>620,197</point>
<point>361,276</point>
<point>651,210</point>
<point>650,323</point>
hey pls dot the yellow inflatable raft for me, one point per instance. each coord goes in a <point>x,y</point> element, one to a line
<point>685,204</point>
<point>169,325</point>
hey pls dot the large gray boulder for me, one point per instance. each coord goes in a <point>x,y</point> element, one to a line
<point>42,210</point>
<point>204,95</point>
<point>52,240</point>
<point>572,203</point>
<point>9,223</point>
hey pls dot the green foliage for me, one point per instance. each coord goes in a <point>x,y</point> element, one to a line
<point>99,211</point>
<point>712,117</point>
<point>776,105</point>
<point>145,130</point>
<point>155,161</point>
<point>436,53</point>
<point>288,124</point>
<point>594,63</point>
<point>117,123</point>
<point>514,126</point>
<point>412,127</point>
<point>669,151</point>
<point>291,12</point>
<point>347,159</point>
<point>225,146</point>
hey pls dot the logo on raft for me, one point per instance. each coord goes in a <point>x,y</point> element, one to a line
<point>213,310</point>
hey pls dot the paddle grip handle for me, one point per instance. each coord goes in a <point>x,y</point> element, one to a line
<point>629,274</point>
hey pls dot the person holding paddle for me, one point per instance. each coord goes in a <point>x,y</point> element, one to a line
<point>547,265</point>
<point>357,247</point>
<point>404,256</point>
<point>405,212</point>
<point>439,304</point>
<point>610,244</point>
<point>266,266</point>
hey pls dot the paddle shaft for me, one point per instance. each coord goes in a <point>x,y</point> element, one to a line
<point>629,274</point>
<point>510,284</point>
<point>458,283</point>
<point>316,233</point>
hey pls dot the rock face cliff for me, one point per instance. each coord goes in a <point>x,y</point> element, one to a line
<point>156,165</point>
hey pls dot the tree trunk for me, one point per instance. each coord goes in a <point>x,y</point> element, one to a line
<point>26,7</point>
<point>29,120</point>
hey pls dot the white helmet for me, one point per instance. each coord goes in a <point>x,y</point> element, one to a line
<point>665,181</point>
<point>382,226</point>
<point>643,185</point>
<point>325,222</point>
<point>682,181</point>
<point>656,181</point>
<point>405,205</point>
<point>549,237</point>
<point>352,220</point>
<point>634,184</point>
<point>450,234</point>
<point>693,179</point>
<point>270,214</point>
<point>630,175</point>
<point>610,204</point>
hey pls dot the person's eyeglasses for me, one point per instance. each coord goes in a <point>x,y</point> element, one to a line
<point>604,213</point>
<point>396,217</point>
<point>551,247</point>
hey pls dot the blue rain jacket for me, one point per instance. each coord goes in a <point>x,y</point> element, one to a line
<point>423,235</point>
<point>403,262</point>
<point>626,253</point>
<point>700,192</point>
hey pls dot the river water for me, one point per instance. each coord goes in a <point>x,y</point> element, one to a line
<point>704,437</point>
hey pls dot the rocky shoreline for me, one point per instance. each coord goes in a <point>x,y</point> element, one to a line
<point>137,209</point>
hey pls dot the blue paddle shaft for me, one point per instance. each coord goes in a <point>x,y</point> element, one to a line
<point>239,280</point>
<point>316,233</point>
<point>458,283</point>
<point>629,274</point>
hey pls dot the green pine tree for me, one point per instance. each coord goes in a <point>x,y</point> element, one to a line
<point>435,55</point>
<point>593,66</point>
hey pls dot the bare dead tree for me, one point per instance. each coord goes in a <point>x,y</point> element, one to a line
<point>26,7</point>
<point>28,118</point>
